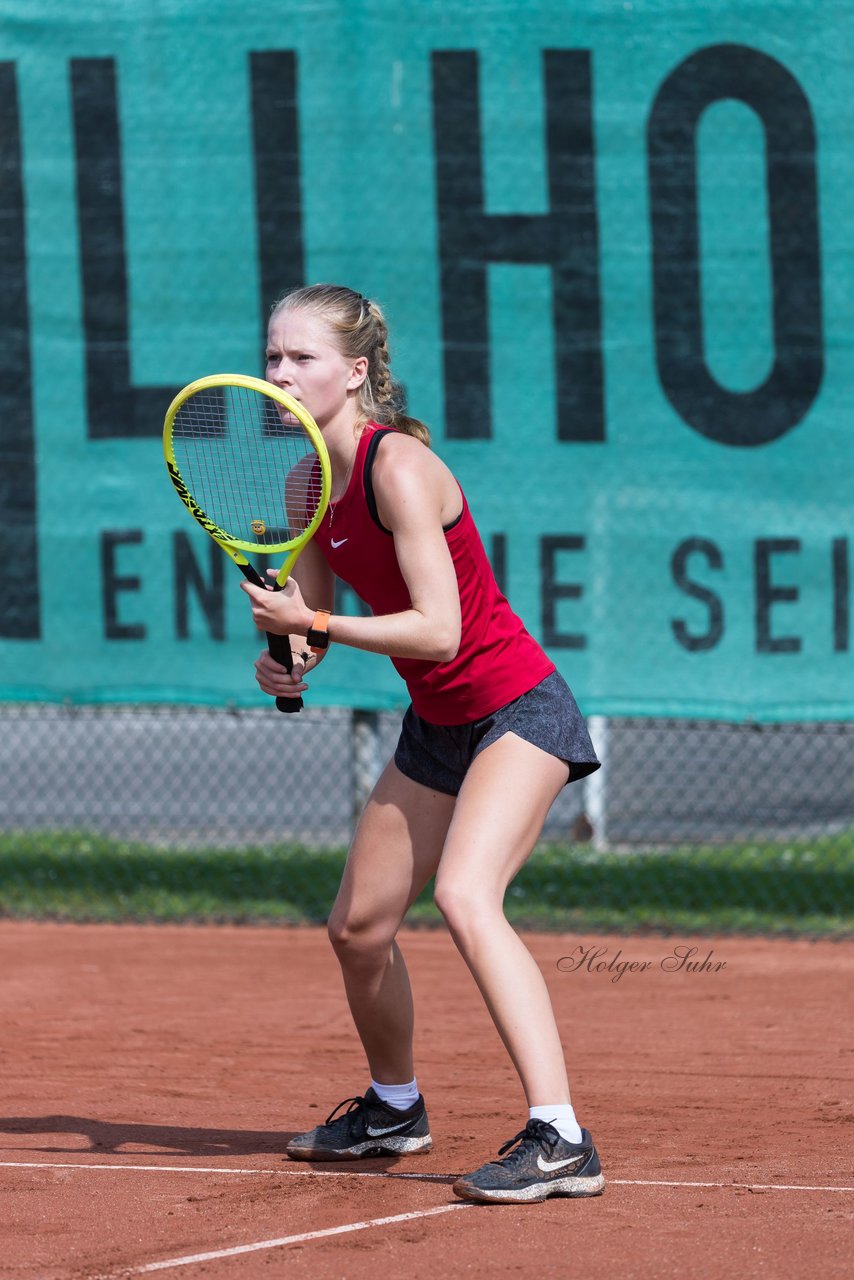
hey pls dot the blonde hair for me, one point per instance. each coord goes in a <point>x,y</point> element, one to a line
<point>359,328</point>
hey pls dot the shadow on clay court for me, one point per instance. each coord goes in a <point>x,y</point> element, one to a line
<point>112,1138</point>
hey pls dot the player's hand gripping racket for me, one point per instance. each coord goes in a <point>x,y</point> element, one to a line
<point>249,463</point>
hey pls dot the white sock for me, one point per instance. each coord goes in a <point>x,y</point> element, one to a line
<point>399,1096</point>
<point>562,1117</point>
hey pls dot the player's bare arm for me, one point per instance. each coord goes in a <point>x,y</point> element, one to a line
<point>416,495</point>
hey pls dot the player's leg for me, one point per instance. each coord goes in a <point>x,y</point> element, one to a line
<point>395,851</point>
<point>499,815</point>
<point>500,811</point>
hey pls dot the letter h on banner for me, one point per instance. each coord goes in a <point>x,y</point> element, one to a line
<point>566,238</point>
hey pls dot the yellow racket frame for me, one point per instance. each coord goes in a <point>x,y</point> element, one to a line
<point>232,546</point>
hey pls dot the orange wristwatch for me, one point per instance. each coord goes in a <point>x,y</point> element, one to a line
<point>317,635</point>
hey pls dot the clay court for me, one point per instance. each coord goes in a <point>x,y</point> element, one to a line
<point>152,1077</point>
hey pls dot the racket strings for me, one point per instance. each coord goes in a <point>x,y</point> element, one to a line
<point>251,467</point>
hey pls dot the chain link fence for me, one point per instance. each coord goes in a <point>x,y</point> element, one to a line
<point>244,815</point>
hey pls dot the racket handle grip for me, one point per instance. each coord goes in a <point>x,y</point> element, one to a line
<point>280,651</point>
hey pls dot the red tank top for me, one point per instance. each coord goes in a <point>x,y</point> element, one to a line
<point>497,661</point>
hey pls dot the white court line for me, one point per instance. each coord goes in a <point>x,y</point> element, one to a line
<point>418,1177</point>
<point>200,1168</point>
<point>735,1186</point>
<point>213,1254</point>
<point>187,1260</point>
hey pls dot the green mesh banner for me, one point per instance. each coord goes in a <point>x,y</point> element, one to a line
<point>613,244</point>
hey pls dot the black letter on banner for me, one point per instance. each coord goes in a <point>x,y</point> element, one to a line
<point>209,594</point>
<point>679,568</point>
<point>116,408</point>
<point>112,584</point>
<point>19,587</point>
<point>768,412</point>
<point>278,189</point>
<point>498,560</point>
<point>840,595</point>
<point>767,594</point>
<point>552,591</point>
<point>566,238</point>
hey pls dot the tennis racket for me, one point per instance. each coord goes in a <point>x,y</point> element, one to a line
<point>250,465</point>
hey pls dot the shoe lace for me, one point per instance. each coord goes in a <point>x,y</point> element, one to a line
<point>356,1104</point>
<point>539,1132</point>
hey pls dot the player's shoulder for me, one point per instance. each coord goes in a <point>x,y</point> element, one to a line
<point>405,470</point>
<point>399,443</point>
<point>301,480</point>
<point>405,455</point>
<point>304,468</point>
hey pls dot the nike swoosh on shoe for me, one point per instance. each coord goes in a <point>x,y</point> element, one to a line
<point>383,1133</point>
<point>551,1166</point>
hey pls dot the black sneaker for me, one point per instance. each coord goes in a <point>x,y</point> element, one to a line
<point>367,1128</point>
<point>543,1164</point>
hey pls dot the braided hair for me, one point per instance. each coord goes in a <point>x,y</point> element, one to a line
<point>359,328</point>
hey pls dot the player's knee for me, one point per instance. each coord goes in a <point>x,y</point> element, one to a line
<point>460,903</point>
<point>355,939</point>
<point>340,930</point>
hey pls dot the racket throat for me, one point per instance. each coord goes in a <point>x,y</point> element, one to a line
<point>251,573</point>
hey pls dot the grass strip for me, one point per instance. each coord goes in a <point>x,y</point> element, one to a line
<point>793,888</point>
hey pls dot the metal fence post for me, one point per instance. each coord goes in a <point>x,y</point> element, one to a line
<point>596,784</point>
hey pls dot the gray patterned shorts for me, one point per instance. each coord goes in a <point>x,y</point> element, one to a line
<point>438,756</point>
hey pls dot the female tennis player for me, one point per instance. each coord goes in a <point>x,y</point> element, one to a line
<point>492,735</point>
